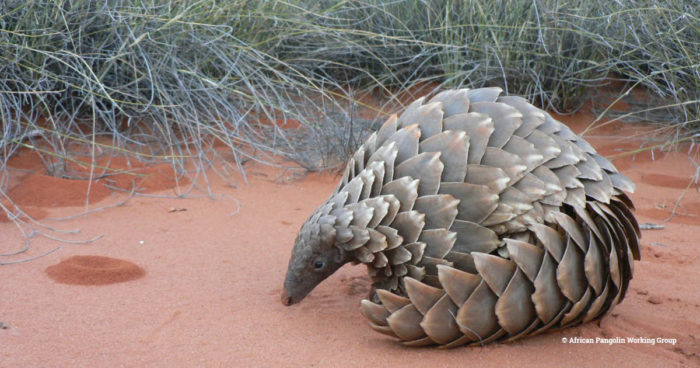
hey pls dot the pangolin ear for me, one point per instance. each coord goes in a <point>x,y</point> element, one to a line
<point>339,256</point>
<point>327,235</point>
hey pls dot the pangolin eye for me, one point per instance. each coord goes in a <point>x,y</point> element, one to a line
<point>319,264</point>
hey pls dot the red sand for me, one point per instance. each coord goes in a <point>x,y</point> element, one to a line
<point>210,296</point>
<point>94,270</point>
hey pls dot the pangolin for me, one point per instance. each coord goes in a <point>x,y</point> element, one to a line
<point>480,218</point>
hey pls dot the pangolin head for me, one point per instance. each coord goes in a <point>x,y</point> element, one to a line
<point>314,257</point>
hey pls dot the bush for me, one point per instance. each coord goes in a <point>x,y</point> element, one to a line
<point>164,79</point>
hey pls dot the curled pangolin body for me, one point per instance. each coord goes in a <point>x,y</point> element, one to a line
<point>481,218</point>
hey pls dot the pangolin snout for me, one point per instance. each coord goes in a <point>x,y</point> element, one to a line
<point>286,299</point>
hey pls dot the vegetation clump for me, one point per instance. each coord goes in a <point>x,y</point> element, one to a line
<point>165,80</point>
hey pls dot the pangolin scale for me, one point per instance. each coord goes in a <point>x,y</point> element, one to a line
<point>480,218</point>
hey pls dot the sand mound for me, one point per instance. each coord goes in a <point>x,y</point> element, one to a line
<point>94,270</point>
<point>47,191</point>
<point>69,187</point>
<point>37,213</point>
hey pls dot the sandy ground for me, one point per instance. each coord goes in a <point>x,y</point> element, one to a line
<point>214,269</point>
